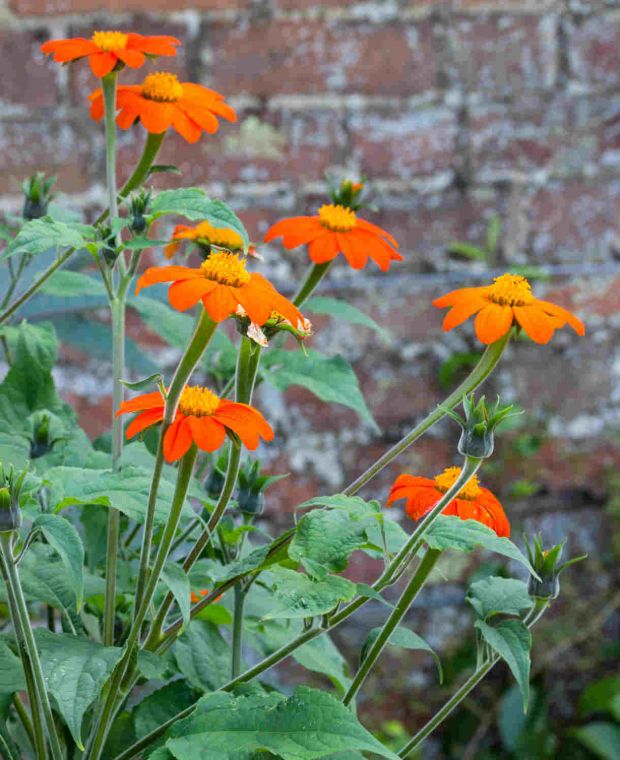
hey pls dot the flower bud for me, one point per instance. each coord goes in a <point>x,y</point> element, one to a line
<point>217,477</point>
<point>546,564</point>
<point>477,436</point>
<point>138,209</point>
<point>347,194</point>
<point>252,485</point>
<point>10,491</point>
<point>42,441</point>
<point>37,195</point>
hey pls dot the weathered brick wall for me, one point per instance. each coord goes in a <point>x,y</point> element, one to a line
<point>456,110</point>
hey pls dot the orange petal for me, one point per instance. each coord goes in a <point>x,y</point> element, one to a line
<point>184,294</point>
<point>248,423</point>
<point>378,250</point>
<point>220,303</point>
<point>69,50</point>
<point>538,325</point>
<point>491,505</point>
<point>296,231</point>
<point>354,254</point>
<point>156,117</point>
<point>177,440</point>
<point>492,322</point>
<point>370,227</point>
<point>566,316</point>
<point>155,275</point>
<point>144,420</point>
<point>323,248</point>
<point>454,296</point>
<point>186,127</point>
<point>140,403</point>
<point>132,58</point>
<point>208,434</point>
<point>154,45</point>
<point>462,311</point>
<point>102,63</point>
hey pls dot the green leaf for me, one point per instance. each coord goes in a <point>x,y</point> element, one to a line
<point>65,539</point>
<point>329,379</point>
<point>322,656</point>
<point>203,656</point>
<point>160,706</point>
<point>309,724</point>
<point>450,532</point>
<point>11,671</point>
<point>494,595</point>
<point>139,243</point>
<point>368,592</point>
<point>602,696</point>
<point>512,641</point>
<point>298,596</point>
<point>342,310</point>
<point>177,581</point>
<point>406,639</point>
<point>325,539</point>
<point>467,250</point>
<point>67,284</point>
<point>602,739</point>
<point>75,669</point>
<point>155,379</point>
<point>351,504</point>
<point>40,235</point>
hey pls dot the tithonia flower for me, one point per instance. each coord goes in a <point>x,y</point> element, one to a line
<point>204,234</point>
<point>337,229</point>
<point>223,284</point>
<point>196,597</point>
<point>472,503</point>
<point>105,49</point>
<point>161,101</point>
<point>507,302</point>
<point>202,418</point>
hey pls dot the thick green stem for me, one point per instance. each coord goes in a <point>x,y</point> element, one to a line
<point>25,721</point>
<point>106,713</point>
<point>237,632</point>
<point>109,101</point>
<point>313,277</point>
<point>412,589</point>
<point>203,332</point>
<point>24,631</point>
<point>477,376</point>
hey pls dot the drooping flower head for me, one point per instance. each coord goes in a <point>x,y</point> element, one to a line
<point>508,301</point>
<point>472,503</point>
<point>337,229</point>
<point>106,50</point>
<point>204,235</point>
<point>201,418</point>
<point>225,288</point>
<point>161,101</point>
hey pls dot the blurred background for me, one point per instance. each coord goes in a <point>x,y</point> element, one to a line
<point>489,133</point>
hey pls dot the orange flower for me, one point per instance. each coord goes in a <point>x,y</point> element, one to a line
<point>225,287</point>
<point>472,503</point>
<point>337,229</point>
<point>202,418</point>
<point>106,49</point>
<point>204,234</point>
<point>161,101</point>
<point>194,598</point>
<point>499,306</point>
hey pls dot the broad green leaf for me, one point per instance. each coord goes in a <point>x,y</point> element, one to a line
<point>368,592</point>
<point>254,560</point>
<point>11,671</point>
<point>334,307</point>
<point>321,655</point>
<point>65,539</point>
<point>352,504</point>
<point>494,595</point>
<point>67,284</point>
<point>140,243</point>
<point>325,539</point>
<point>331,379</point>
<point>298,596</point>
<point>177,581</point>
<point>406,639</point>
<point>160,706</point>
<point>512,641</point>
<point>75,669</point>
<point>203,656</point>
<point>602,696</point>
<point>449,532</point>
<point>39,235</point>
<point>602,739</point>
<point>309,724</point>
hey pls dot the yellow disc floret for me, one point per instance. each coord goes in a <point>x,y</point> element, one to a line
<point>448,478</point>
<point>198,402</point>
<point>510,290</point>
<point>226,268</point>
<point>162,87</point>
<point>337,218</point>
<point>223,237</point>
<point>110,41</point>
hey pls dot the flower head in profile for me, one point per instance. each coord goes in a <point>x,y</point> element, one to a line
<point>201,418</point>
<point>225,288</point>
<point>106,50</point>
<point>508,301</point>
<point>337,229</point>
<point>472,503</point>
<point>204,235</point>
<point>161,102</point>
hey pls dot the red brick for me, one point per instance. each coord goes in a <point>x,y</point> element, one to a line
<point>270,57</point>
<point>28,79</point>
<point>60,7</point>
<point>404,144</point>
<point>503,53</point>
<point>594,50</point>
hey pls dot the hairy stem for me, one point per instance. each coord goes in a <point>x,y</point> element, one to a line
<point>313,278</point>
<point>237,632</point>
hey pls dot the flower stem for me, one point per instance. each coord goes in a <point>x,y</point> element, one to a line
<point>23,630</point>
<point>313,277</point>
<point>477,376</point>
<point>108,84</point>
<point>407,598</point>
<point>237,632</point>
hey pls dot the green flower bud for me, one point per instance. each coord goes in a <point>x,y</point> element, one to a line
<point>477,438</point>
<point>138,209</point>
<point>37,195</point>
<point>41,442</point>
<point>546,563</point>
<point>10,491</point>
<point>252,484</point>
<point>347,194</point>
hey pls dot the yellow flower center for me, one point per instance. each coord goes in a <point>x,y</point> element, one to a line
<point>511,290</point>
<point>198,402</point>
<point>448,478</point>
<point>337,218</point>
<point>220,236</point>
<point>110,41</point>
<point>163,87</point>
<point>226,268</point>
